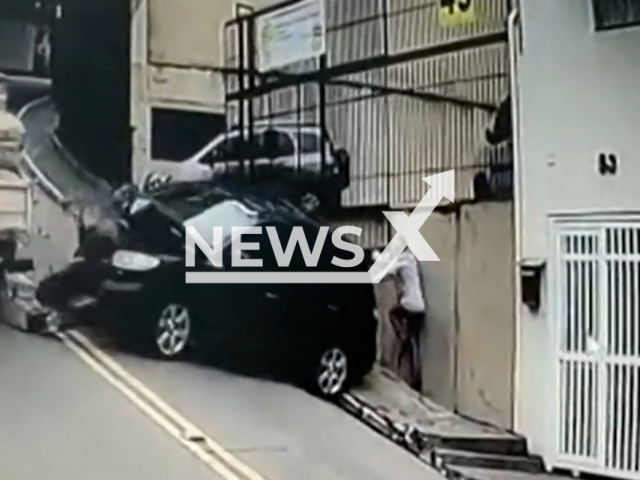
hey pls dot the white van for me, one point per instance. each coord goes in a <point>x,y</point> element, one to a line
<point>289,151</point>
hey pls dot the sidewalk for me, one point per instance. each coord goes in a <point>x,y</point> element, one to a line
<point>458,447</point>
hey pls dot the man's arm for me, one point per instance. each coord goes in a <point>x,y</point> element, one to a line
<point>393,271</point>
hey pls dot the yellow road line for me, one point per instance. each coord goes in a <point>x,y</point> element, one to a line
<point>206,449</point>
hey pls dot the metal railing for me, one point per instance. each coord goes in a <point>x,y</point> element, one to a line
<point>404,96</point>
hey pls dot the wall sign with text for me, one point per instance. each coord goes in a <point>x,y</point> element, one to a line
<point>457,12</point>
<point>291,34</point>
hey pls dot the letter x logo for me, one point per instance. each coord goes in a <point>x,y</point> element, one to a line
<point>408,226</point>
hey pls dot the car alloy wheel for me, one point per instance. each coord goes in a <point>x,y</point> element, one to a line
<point>173,330</point>
<point>332,372</point>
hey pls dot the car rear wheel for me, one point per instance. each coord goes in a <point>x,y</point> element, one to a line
<point>332,373</point>
<point>173,331</point>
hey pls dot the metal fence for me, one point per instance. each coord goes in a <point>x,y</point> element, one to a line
<point>404,96</point>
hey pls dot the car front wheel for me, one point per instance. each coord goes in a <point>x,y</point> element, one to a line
<point>173,331</point>
<point>332,372</point>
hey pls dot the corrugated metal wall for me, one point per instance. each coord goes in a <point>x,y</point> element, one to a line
<point>375,231</point>
<point>396,139</point>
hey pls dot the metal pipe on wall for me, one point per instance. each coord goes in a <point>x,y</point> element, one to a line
<point>514,52</point>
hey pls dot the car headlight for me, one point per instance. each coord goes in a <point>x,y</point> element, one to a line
<point>134,261</point>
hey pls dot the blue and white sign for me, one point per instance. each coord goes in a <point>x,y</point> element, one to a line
<point>291,34</point>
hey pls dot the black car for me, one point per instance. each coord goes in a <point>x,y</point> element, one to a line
<point>324,333</point>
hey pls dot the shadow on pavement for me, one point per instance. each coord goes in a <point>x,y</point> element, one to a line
<point>222,357</point>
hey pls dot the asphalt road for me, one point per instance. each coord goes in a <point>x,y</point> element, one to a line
<point>279,430</point>
<point>59,419</point>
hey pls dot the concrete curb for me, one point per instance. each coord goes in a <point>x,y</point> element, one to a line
<point>412,440</point>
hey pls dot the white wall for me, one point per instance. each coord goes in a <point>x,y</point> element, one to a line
<point>580,95</point>
<point>175,48</point>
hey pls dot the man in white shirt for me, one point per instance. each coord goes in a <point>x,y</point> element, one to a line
<point>408,316</point>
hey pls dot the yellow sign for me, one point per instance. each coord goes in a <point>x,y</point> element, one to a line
<point>457,12</point>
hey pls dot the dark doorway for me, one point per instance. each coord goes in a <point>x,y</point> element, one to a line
<point>91,81</point>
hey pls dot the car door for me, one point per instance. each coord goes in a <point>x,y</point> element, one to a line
<point>294,330</point>
<point>266,302</point>
<point>217,306</point>
<point>310,146</point>
<point>155,233</point>
<point>277,150</point>
<point>232,156</point>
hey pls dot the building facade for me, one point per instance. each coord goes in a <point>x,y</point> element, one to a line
<point>418,105</point>
<point>177,88</point>
<point>429,116</point>
<point>577,107</point>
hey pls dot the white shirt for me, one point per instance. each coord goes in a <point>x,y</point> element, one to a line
<point>407,269</point>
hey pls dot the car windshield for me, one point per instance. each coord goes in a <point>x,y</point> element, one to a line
<point>158,224</point>
<point>310,142</point>
<point>157,229</point>
<point>226,214</point>
<point>229,146</point>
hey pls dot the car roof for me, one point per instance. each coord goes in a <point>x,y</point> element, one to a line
<point>289,126</point>
<point>259,127</point>
<point>266,202</point>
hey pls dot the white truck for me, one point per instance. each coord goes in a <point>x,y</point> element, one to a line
<point>16,200</point>
<point>15,188</point>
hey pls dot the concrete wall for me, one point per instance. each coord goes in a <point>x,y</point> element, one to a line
<point>176,47</point>
<point>189,35</point>
<point>486,311</point>
<point>17,45</point>
<point>579,97</point>
<point>468,346</point>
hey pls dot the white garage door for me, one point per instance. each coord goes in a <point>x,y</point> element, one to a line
<point>596,298</point>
